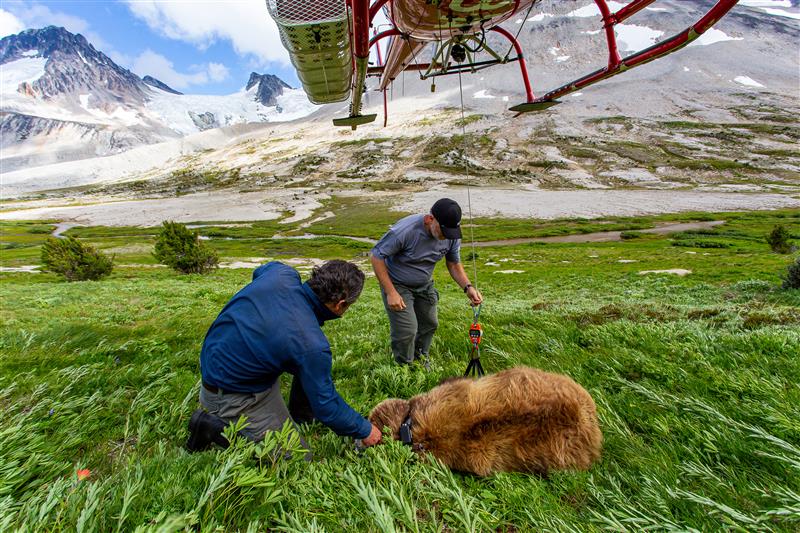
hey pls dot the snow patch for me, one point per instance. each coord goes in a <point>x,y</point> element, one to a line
<point>749,82</point>
<point>30,53</point>
<point>540,17</point>
<point>631,37</point>
<point>711,36</point>
<point>781,13</point>
<point>592,10</point>
<point>14,73</point>
<point>766,3</point>
<point>482,94</point>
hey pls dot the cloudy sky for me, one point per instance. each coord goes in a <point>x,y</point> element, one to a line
<point>197,47</point>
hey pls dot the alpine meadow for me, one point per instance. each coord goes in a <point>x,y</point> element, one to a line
<point>695,379</point>
<point>256,256</point>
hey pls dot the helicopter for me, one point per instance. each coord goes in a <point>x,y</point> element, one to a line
<point>329,44</point>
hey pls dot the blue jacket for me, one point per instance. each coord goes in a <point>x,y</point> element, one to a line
<point>272,326</point>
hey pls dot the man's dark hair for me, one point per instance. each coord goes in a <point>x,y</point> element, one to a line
<point>337,280</point>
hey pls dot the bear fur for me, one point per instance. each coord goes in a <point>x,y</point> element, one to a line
<point>518,420</point>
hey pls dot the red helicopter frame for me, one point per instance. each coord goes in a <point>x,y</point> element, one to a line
<point>329,44</point>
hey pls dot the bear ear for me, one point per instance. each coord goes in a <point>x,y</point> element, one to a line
<point>390,413</point>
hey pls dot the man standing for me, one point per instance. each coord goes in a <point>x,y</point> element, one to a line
<point>272,326</point>
<point>403,261</point>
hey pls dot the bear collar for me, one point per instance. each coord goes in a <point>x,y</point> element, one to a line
<point>406,435</point>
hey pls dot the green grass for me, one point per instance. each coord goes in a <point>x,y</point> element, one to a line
<point>695,379</point>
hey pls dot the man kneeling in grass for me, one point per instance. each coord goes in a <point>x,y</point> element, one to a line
<point>272,326</point>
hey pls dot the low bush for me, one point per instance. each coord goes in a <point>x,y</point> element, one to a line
<point>181,249</point>
<point>778,240</point>
<point>74,260</point>
<point>791,280</point>
<point>702,244</point>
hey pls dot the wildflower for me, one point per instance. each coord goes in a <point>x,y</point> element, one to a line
<point>83,474</point>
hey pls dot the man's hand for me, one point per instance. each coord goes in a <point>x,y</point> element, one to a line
<point>395,301</point>
<point>374,437</point>
<point>474,295</point>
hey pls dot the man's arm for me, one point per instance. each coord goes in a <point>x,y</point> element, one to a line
<point>460,277</point>
<point>330,408</point>
<point>393,298</point>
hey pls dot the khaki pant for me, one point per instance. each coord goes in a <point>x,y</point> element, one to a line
<point>265,411</point>
<point>412,329</point>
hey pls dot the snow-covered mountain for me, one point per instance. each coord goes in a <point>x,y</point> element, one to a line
<point>728,100</point>
<point>268,87</point>
<point>158,84</point>
<point>64,100</point>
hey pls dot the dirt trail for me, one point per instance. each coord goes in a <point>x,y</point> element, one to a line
<point>599,236</point>
<point>605,236</point>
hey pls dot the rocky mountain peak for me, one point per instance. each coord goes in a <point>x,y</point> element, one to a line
<point>73,67</point>
<point>45,41</point>
<point>269,87</point>
<point>158,84</point>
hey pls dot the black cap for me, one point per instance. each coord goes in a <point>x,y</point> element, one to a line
<point>448,214</point>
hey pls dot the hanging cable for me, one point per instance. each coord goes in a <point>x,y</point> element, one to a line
<point>466,169</point>
<point>474,367</point>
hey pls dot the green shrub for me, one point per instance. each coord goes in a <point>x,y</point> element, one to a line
<point>778,240</point>
<point>40,229</point>
<point>702,244</point>
<point>625,235</point>
<point>74,260</point>
<point>181,249</point>
<point>791,280</point>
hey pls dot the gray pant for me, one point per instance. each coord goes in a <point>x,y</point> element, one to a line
<point>265,411</point>
<point>412,329</point>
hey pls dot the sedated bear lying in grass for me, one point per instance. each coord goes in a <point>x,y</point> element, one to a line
<point>521,419</point>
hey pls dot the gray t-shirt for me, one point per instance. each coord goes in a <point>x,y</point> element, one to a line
<point>411,253</point>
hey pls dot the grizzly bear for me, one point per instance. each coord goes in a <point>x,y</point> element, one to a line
<point>521,420</point>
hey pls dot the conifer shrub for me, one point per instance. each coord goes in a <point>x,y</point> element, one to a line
<point>74,260</point>
<point>778,240</point>
<point>181,249</point>
<point>791,280</point>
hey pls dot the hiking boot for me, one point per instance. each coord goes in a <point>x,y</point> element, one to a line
<point>426,362</point>
<point>204,430</point>
<point>423,359</point>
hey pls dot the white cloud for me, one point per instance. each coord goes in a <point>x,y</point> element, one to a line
<point>150,63</point>
<point>9,24</point>
<point>217,72</point>
<point>246,24</point>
